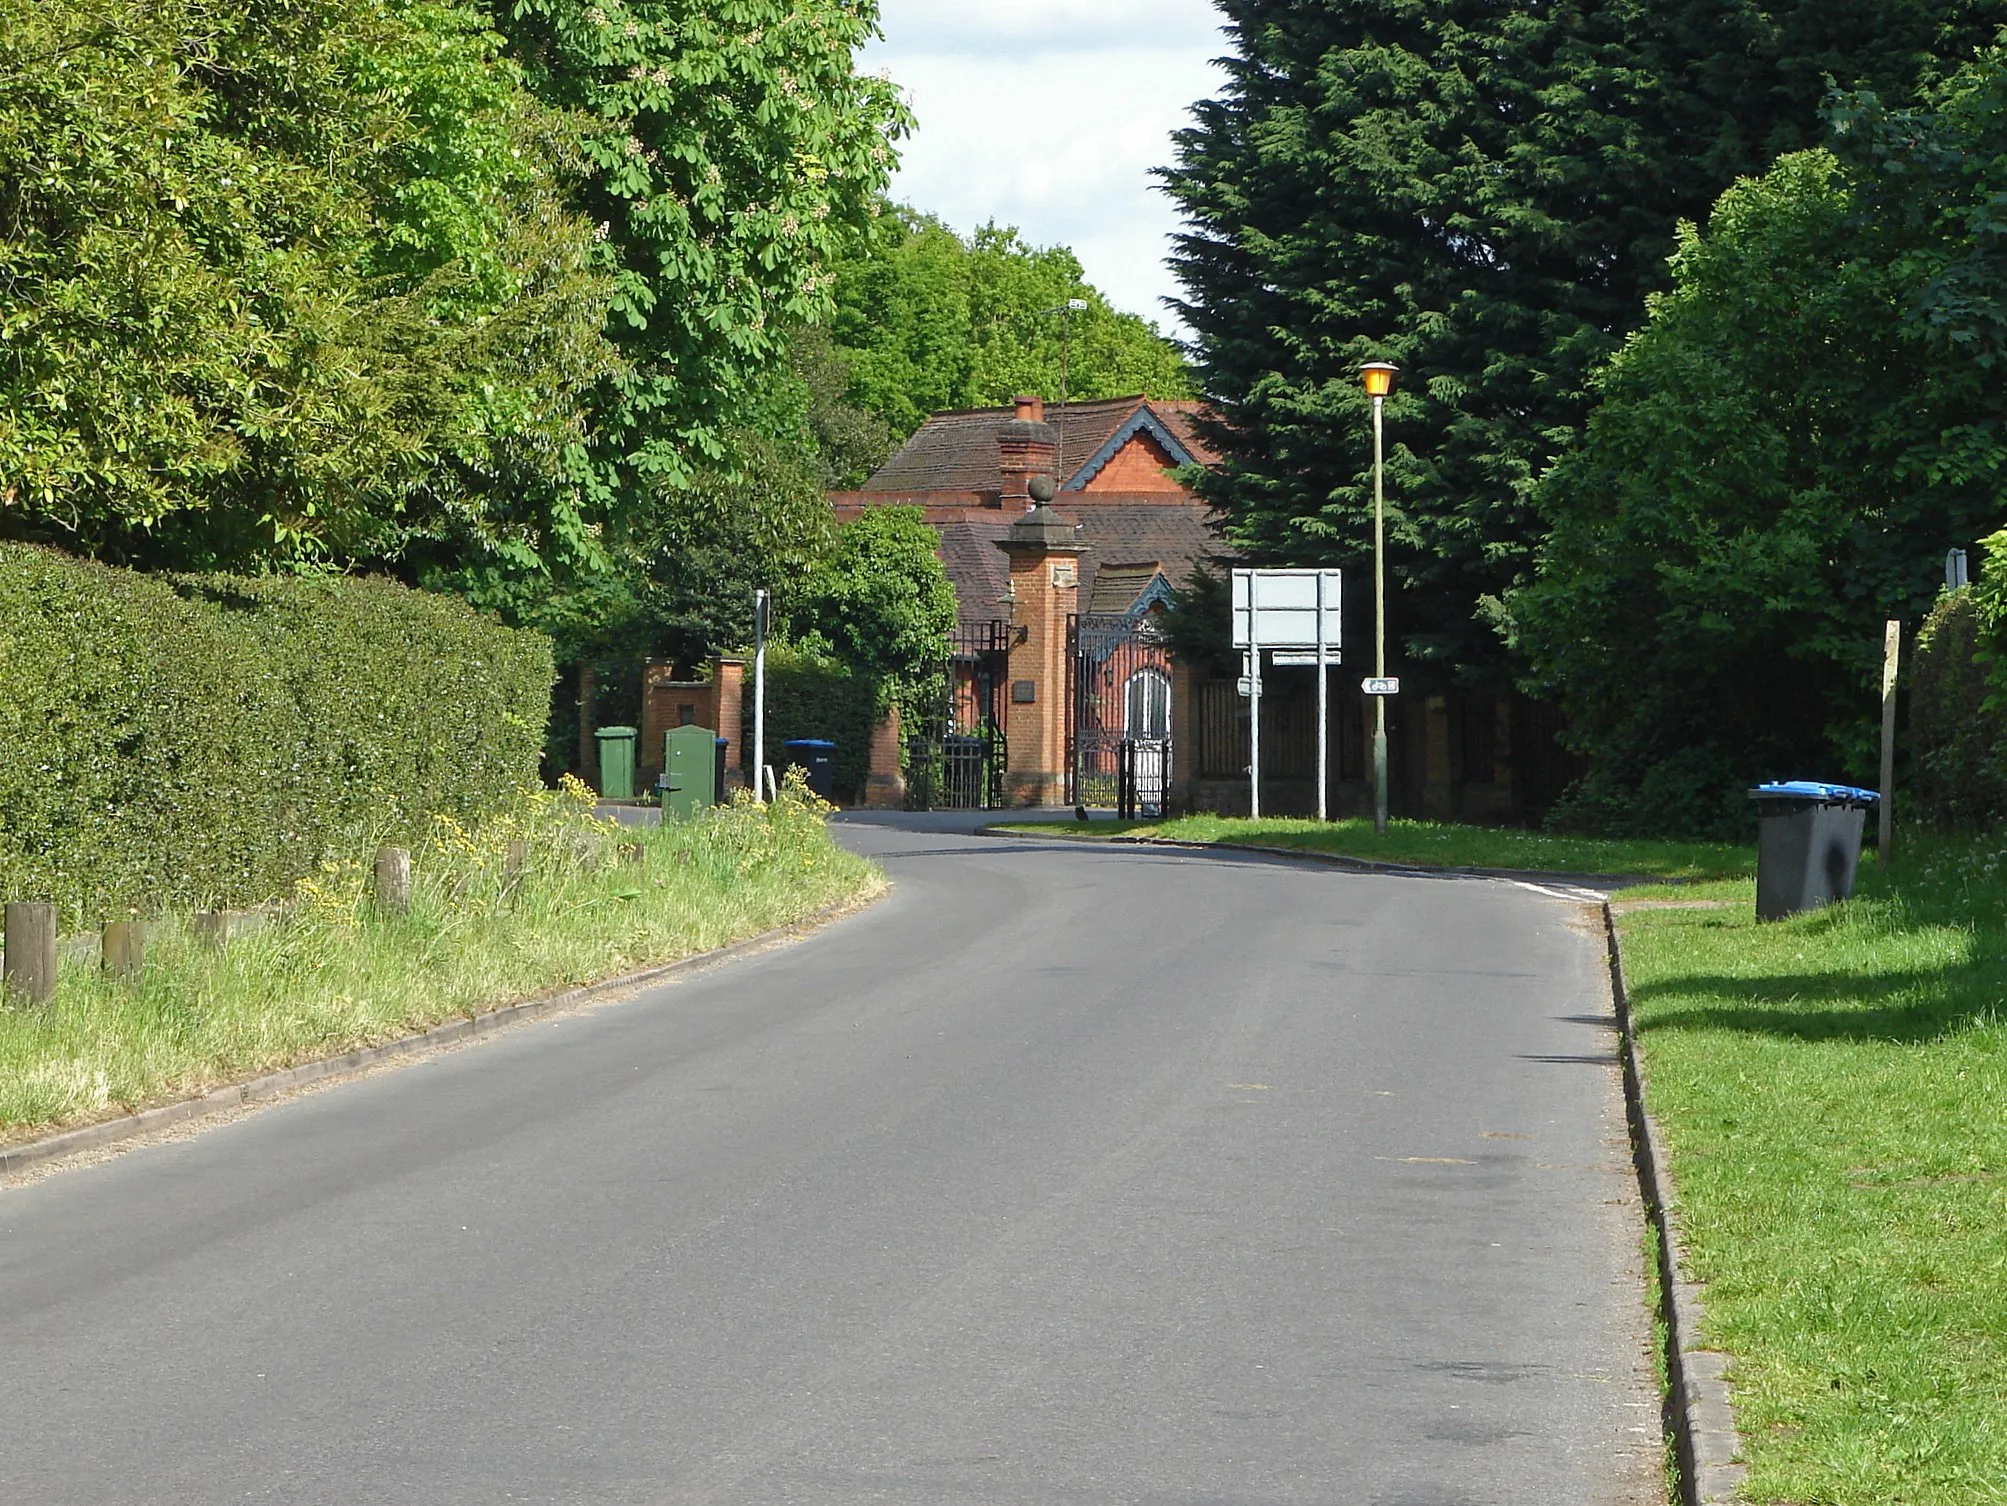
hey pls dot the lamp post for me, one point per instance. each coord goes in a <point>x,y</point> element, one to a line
<point>1379,379</point>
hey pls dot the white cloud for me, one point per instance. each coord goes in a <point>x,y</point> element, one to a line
<point>1049,116</point>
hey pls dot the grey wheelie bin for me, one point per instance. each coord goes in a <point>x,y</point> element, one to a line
<point>1808,844</point>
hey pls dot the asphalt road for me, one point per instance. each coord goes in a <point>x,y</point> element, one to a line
<point>1107,1177</point>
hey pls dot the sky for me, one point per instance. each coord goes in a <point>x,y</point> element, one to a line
<point>1049,115</point>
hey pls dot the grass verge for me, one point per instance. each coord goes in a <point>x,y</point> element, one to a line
<point>333,975</point>
<point>1440,845</point>
<point>1833,1095</point>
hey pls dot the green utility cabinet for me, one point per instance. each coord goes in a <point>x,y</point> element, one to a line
<point>689,770</point>
<point>616,763</point>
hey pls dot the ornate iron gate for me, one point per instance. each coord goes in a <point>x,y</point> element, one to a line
<point>1118,714</point>
<point>955,758</point>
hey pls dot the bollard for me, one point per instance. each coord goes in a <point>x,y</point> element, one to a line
<point>393,879</point>
<point>515,867</point>
<point>124,948</point>
<point>31,949</point>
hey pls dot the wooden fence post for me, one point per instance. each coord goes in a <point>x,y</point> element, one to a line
<point>212,927</point>
<point>124,948</point>
<point>31,949</point>
<point>515,866</point>
<point>393,879</point>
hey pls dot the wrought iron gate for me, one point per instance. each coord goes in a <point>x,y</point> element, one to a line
<point>955,758</point>
<point>1118,714</point>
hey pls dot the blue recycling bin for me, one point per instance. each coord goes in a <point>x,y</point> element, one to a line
<point>816,758</point>
<point>1808,844</point>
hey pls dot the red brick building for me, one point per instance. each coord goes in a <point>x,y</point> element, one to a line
<point>1119,533</point>
<point>1068,592</point>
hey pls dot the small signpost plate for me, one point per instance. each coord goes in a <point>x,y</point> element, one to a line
<point>1388,686</point>
<point>1296,659</point>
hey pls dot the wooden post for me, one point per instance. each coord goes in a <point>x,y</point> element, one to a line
<point>515,864</point>
<point>632,852</point>
<point>212,927</point>
<point>31,949</point>
<point>124,948</point>
<point>393,879</point>
<point>1891,654</point>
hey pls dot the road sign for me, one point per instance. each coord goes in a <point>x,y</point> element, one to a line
<point>1388,686</point>
<point>1246,686</point>
<point>1285,608</point>
<point>1296,658</point>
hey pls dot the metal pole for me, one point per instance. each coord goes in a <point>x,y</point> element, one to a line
<point>1379,625</point>
<point>1253,718</point>
<point>1323,710</point>
<point>760,599</point>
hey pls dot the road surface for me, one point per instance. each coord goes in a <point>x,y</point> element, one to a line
<point>1061,1177</point>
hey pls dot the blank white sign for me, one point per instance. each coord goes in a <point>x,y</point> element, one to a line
<point>1278,609</point>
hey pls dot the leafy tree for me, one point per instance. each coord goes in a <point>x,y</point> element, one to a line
<point>1484,194</point>
<point>928,320</point>
<point>734,151</point>
<point>881,601</point>
<point>1778,462</point>
<point>282,279</point>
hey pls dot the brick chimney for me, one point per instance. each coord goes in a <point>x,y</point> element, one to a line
<point>1026,446</point>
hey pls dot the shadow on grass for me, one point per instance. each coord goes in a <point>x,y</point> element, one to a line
<point>1900,1006</point>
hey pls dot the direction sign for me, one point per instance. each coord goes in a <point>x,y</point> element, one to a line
<point>1296,658</point>
<point>1388,686</point>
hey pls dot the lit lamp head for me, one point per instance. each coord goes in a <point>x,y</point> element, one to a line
<point>1378,377</point>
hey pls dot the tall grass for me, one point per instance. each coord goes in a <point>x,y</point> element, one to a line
<point>332,973</point>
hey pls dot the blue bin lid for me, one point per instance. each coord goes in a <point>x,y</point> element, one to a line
<point>1812,789</point>
<point>809,742</point>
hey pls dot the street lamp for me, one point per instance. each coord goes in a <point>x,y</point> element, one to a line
<point>1379,379</point>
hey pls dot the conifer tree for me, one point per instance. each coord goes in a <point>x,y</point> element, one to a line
<point>1485,194</point>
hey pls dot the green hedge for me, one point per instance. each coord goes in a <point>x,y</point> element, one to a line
<point>1958,742</point>
<point>809,695</point>
<point>168,742</point>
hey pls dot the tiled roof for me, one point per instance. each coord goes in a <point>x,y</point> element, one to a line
<point>1116,588</point>
<point>957,452</point>
<point>1174,539</point>
<point>1128,543</point>
<point>979,570</point>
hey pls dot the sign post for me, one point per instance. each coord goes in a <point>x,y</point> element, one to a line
<point>761,607</point>
<point>1297,612</point>
<point>1885,807</point>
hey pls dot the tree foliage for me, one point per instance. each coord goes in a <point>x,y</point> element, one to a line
<point>281,279</point>
<point>734,151</point>
<point>1778,463</point>
<point>881,601</point>
<point>928,320</point>
<point>1483,194</point>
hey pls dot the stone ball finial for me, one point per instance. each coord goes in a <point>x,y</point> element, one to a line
<point>1042,489</point>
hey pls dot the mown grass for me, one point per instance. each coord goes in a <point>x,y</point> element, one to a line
<point>1440,845</point>
<point>334,974</point>
<point>1833,1092</point>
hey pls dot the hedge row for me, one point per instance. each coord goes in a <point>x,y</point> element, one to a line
<point>1958,742</point>
<point>812,696</point>
<point>207,740</point>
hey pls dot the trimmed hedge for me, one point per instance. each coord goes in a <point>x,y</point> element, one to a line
<point>206,740</point>
<point>809,695</point>
<point>1958,724</point>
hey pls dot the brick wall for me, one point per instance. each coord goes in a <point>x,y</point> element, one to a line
<point>1141,465</point>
